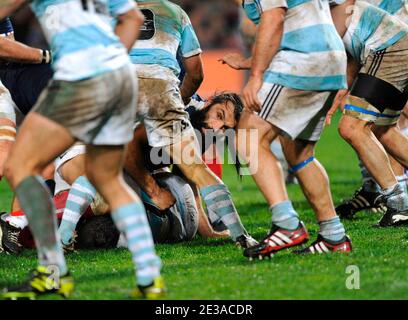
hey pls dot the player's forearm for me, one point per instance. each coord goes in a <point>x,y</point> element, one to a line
<point>16,51</point>
<point>7,7</point>
<point>268,40</point>
<point>128,27</point>
<point>190,86</point>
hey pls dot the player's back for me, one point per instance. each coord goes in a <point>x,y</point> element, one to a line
<point>371,29</point>
<point>166,29</point>
<point>398,8</point>
<point>311,55</point>
<point>81,36</point>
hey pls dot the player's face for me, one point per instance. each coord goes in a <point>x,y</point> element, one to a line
<point>221,117</point>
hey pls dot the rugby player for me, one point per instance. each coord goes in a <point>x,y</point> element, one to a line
<point>163,115</point>
<point>68,110</point>
<point>377,43</point>
<point>218,113</point>
<point>364,197</point>
<point>16,78</point>
<point>290,101</point>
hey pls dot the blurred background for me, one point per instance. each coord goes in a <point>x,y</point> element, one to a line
<point>219,25</point>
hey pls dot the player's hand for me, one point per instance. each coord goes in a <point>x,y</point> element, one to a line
<point>235,61</point>
<point>338,102</point>
<point>250,93</point>
<point>164,199</point>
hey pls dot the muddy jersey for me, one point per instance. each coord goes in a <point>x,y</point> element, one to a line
<point>372,29</point>
<point>398,8</point>
<point>311,55</point>
<point>167,30</point>
<point>80,34</point>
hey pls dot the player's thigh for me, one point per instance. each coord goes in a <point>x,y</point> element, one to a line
<point>39,142</point>
<point>104,163</point>
<point>252,129</point>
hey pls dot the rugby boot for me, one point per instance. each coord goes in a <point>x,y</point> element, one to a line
<point>322,245</point>
<point>278,239</point>
<point>41,281</point>
<point>9,237</point>
<point>156,290</point>
<point>361,200</point>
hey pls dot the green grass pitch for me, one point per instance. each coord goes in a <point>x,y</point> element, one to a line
<point>215,269</point>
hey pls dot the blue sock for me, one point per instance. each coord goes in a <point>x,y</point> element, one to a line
<point>131,219</point>
<point>332,229</point>
<point>218,201</point>
<point>80,196</point>
<point>284,215</point>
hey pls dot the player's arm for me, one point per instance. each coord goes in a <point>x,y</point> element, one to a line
<point>135,166</point>
<point>267,44</point>
<point>340,14</point>
<point>193,78</point>
<point>16,51</point>
<point>7,7</point>
<point>236,61</point>
<point>129,20</point>
<point>353,67</point>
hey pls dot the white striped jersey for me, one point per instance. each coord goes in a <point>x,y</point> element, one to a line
<point>371,29</point>
<point>398,8</point>
<point>167,30</point>
<point>81,36</point>
<point>311,56</point>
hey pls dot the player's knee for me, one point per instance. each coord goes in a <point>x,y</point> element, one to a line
<point>10,171</point>
<point>347,130</point>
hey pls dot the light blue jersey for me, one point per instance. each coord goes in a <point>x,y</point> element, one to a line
<point>398,8</point>
<point>167,28</point>
<point>81,36</point>
<point>372,29</point>
<point>311,56</point>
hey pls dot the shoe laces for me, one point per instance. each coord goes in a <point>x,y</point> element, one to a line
<point>13,235</point>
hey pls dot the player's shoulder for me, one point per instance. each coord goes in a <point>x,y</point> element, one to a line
<point>177,11</point>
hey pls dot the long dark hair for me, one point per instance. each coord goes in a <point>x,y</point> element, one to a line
<point>198,118</point>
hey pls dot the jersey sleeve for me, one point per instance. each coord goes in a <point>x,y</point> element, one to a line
<point>118,7</point>
<point>272,4</point>
<point>6,26</point>
<point>189,45</point>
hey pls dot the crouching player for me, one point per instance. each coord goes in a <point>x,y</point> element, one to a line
<point>377,43</point>
<point>161,106</point>
<point>185,211</point>
<point>68,111</point>
<point>364,198</point>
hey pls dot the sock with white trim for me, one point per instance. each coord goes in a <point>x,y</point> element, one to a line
<point>131,220</point>
<point>80,196</point>
<point>332,229</point>
<point>284,215</point>
<point>396,197</point>
<point>218,201</point>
